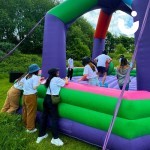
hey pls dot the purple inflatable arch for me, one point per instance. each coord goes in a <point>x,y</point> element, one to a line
<point>54,46</point>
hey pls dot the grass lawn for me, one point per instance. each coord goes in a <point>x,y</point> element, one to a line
<point>14,137</point>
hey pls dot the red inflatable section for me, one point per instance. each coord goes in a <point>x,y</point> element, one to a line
<point>102,25</point>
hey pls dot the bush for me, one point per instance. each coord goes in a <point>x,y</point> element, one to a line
<point>78,64</point>
<point>6,47</point>
<point>19,63</point>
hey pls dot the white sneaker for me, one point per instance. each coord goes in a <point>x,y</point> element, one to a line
<point>31,131</point>
<point>57,142</point>
<point>39,139</point>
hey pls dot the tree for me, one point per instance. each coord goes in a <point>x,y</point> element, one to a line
<point>79,39</point>
<point>119,49</point>
<point>19,17</point>
<point>78,51</point>
<point>127,42</point>
<point>110,42</point>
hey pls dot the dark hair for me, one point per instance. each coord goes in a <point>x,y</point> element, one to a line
<point>52,73</point>
<point>92,66</point>
<point>18,80</point>
<point>29,75</point>
<point>121,56</point>
<point>104,52</point>
<point>85,60</point>
<point>124,62</point>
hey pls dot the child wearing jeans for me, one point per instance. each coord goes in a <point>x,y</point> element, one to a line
<point>90,72</point>
<point>29,108</point>
<point>121,73</point>
<point>53,85</point>
<point>13,95</point>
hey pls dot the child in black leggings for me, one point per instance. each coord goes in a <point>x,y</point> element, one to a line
<point>53,84</point>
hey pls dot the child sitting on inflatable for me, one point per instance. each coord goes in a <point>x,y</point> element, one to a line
<point>90,72</point>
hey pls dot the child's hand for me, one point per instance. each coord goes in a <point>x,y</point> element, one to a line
<point>42,78</point>
<point>66,80</point>
<point>79,80</point>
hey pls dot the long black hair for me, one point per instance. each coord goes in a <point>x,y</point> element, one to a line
<point>18,80</point>
<point>124,62</point>
<point>52,73</point>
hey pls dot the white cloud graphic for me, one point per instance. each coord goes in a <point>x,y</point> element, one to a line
<point>126,30</point>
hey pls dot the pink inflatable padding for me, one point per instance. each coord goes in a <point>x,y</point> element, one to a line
<point>128,95</point>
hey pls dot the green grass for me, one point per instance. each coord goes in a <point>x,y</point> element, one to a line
<point>14,137</point>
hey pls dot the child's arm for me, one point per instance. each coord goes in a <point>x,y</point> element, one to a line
<point>36,83</point>
<point>66,80</point>
<point>95,60</point>
<point>132,65</point>
<point>84,77</point>
<point>109,59</point>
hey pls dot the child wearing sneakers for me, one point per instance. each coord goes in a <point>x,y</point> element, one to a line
<point>13,95</point>
<point>29,108</point>
<point>53,85</point>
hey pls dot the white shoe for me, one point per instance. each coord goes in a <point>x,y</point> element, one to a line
<point>31,131</point>
<point>39,139</point>
<point>57,142</point>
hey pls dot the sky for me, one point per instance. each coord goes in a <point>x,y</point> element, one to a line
<point>92,18</point>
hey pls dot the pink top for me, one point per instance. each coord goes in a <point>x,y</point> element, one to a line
<point>128,95</point>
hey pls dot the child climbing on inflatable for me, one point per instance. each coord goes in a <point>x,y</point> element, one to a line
<point>121,73</point>
<point>90,72</point>
<point>101,64</point>
<point>13,95</point>
<point>29,108</point>
<point>53,85</point>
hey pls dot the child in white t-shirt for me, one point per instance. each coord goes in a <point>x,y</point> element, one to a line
<point>53,85</point>
<point>90,72</point>
<point>13,95</point>
<point>29,108</point>
<point>101,65</point>
<point>70,68</point>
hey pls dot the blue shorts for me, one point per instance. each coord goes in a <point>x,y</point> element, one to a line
<point>94,81</point>
<point>101,69</point>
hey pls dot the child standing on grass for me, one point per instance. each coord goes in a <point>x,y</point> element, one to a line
<point>121,73</point>
<point>13,95</point>
<point>53,85</point>
<point>29,108</point>
<point>90,72</point>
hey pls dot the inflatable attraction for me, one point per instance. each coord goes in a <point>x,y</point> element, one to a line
<point>86,111</point>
